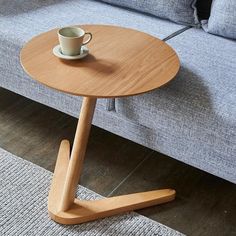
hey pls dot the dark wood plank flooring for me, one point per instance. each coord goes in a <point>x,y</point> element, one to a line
<point>205,204</point>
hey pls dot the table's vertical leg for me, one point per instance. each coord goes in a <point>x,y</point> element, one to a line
<point>63,206</point>
<point>78,153</point>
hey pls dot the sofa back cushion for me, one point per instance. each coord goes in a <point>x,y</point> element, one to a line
<point>222,20</point>
<point>203,8</point>
<point>179,11</point>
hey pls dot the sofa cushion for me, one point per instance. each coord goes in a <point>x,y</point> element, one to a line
<point>195,114</point>
<point>180,11</point>
<point>222,20</point>
<point>21,20</point>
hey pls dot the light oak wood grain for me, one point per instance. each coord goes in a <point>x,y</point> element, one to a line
<point>56,190</point>
<point>78,153</point>
<point>80,211</point>
<point>64,207</point>
<point>122,62</point>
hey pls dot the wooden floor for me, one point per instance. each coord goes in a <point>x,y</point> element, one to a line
<point>205,204</point>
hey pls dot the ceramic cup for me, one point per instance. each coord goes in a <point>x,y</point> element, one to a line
<point>71,40</point>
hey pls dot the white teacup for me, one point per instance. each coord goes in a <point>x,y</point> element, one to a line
<point>71,40</point>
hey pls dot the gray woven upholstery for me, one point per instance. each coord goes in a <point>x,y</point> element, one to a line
<point>222,20</point>
<point>194,115</point>
<point>180,11</point>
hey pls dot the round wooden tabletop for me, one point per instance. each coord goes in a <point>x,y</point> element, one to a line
<point>121,62</point>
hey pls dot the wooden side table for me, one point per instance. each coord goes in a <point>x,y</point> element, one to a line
<point>122,62</point>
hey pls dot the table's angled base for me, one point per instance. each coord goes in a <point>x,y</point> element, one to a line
<point>82,211</point>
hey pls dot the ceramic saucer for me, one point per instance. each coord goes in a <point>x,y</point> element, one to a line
<point>83,53</point>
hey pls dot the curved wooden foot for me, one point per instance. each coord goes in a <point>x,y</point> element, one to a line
<point>82,211</point>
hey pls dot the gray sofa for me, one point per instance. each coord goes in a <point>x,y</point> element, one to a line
<point>191,119</point>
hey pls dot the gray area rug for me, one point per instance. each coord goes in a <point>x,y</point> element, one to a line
<point>23,206</point>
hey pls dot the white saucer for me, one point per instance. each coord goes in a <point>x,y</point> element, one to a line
<point>83,53</point>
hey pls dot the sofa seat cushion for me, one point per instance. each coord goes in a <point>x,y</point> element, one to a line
<point>21,20</point>
<point>195,114</point>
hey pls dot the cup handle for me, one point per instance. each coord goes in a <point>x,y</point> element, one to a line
<point>89,39</point>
